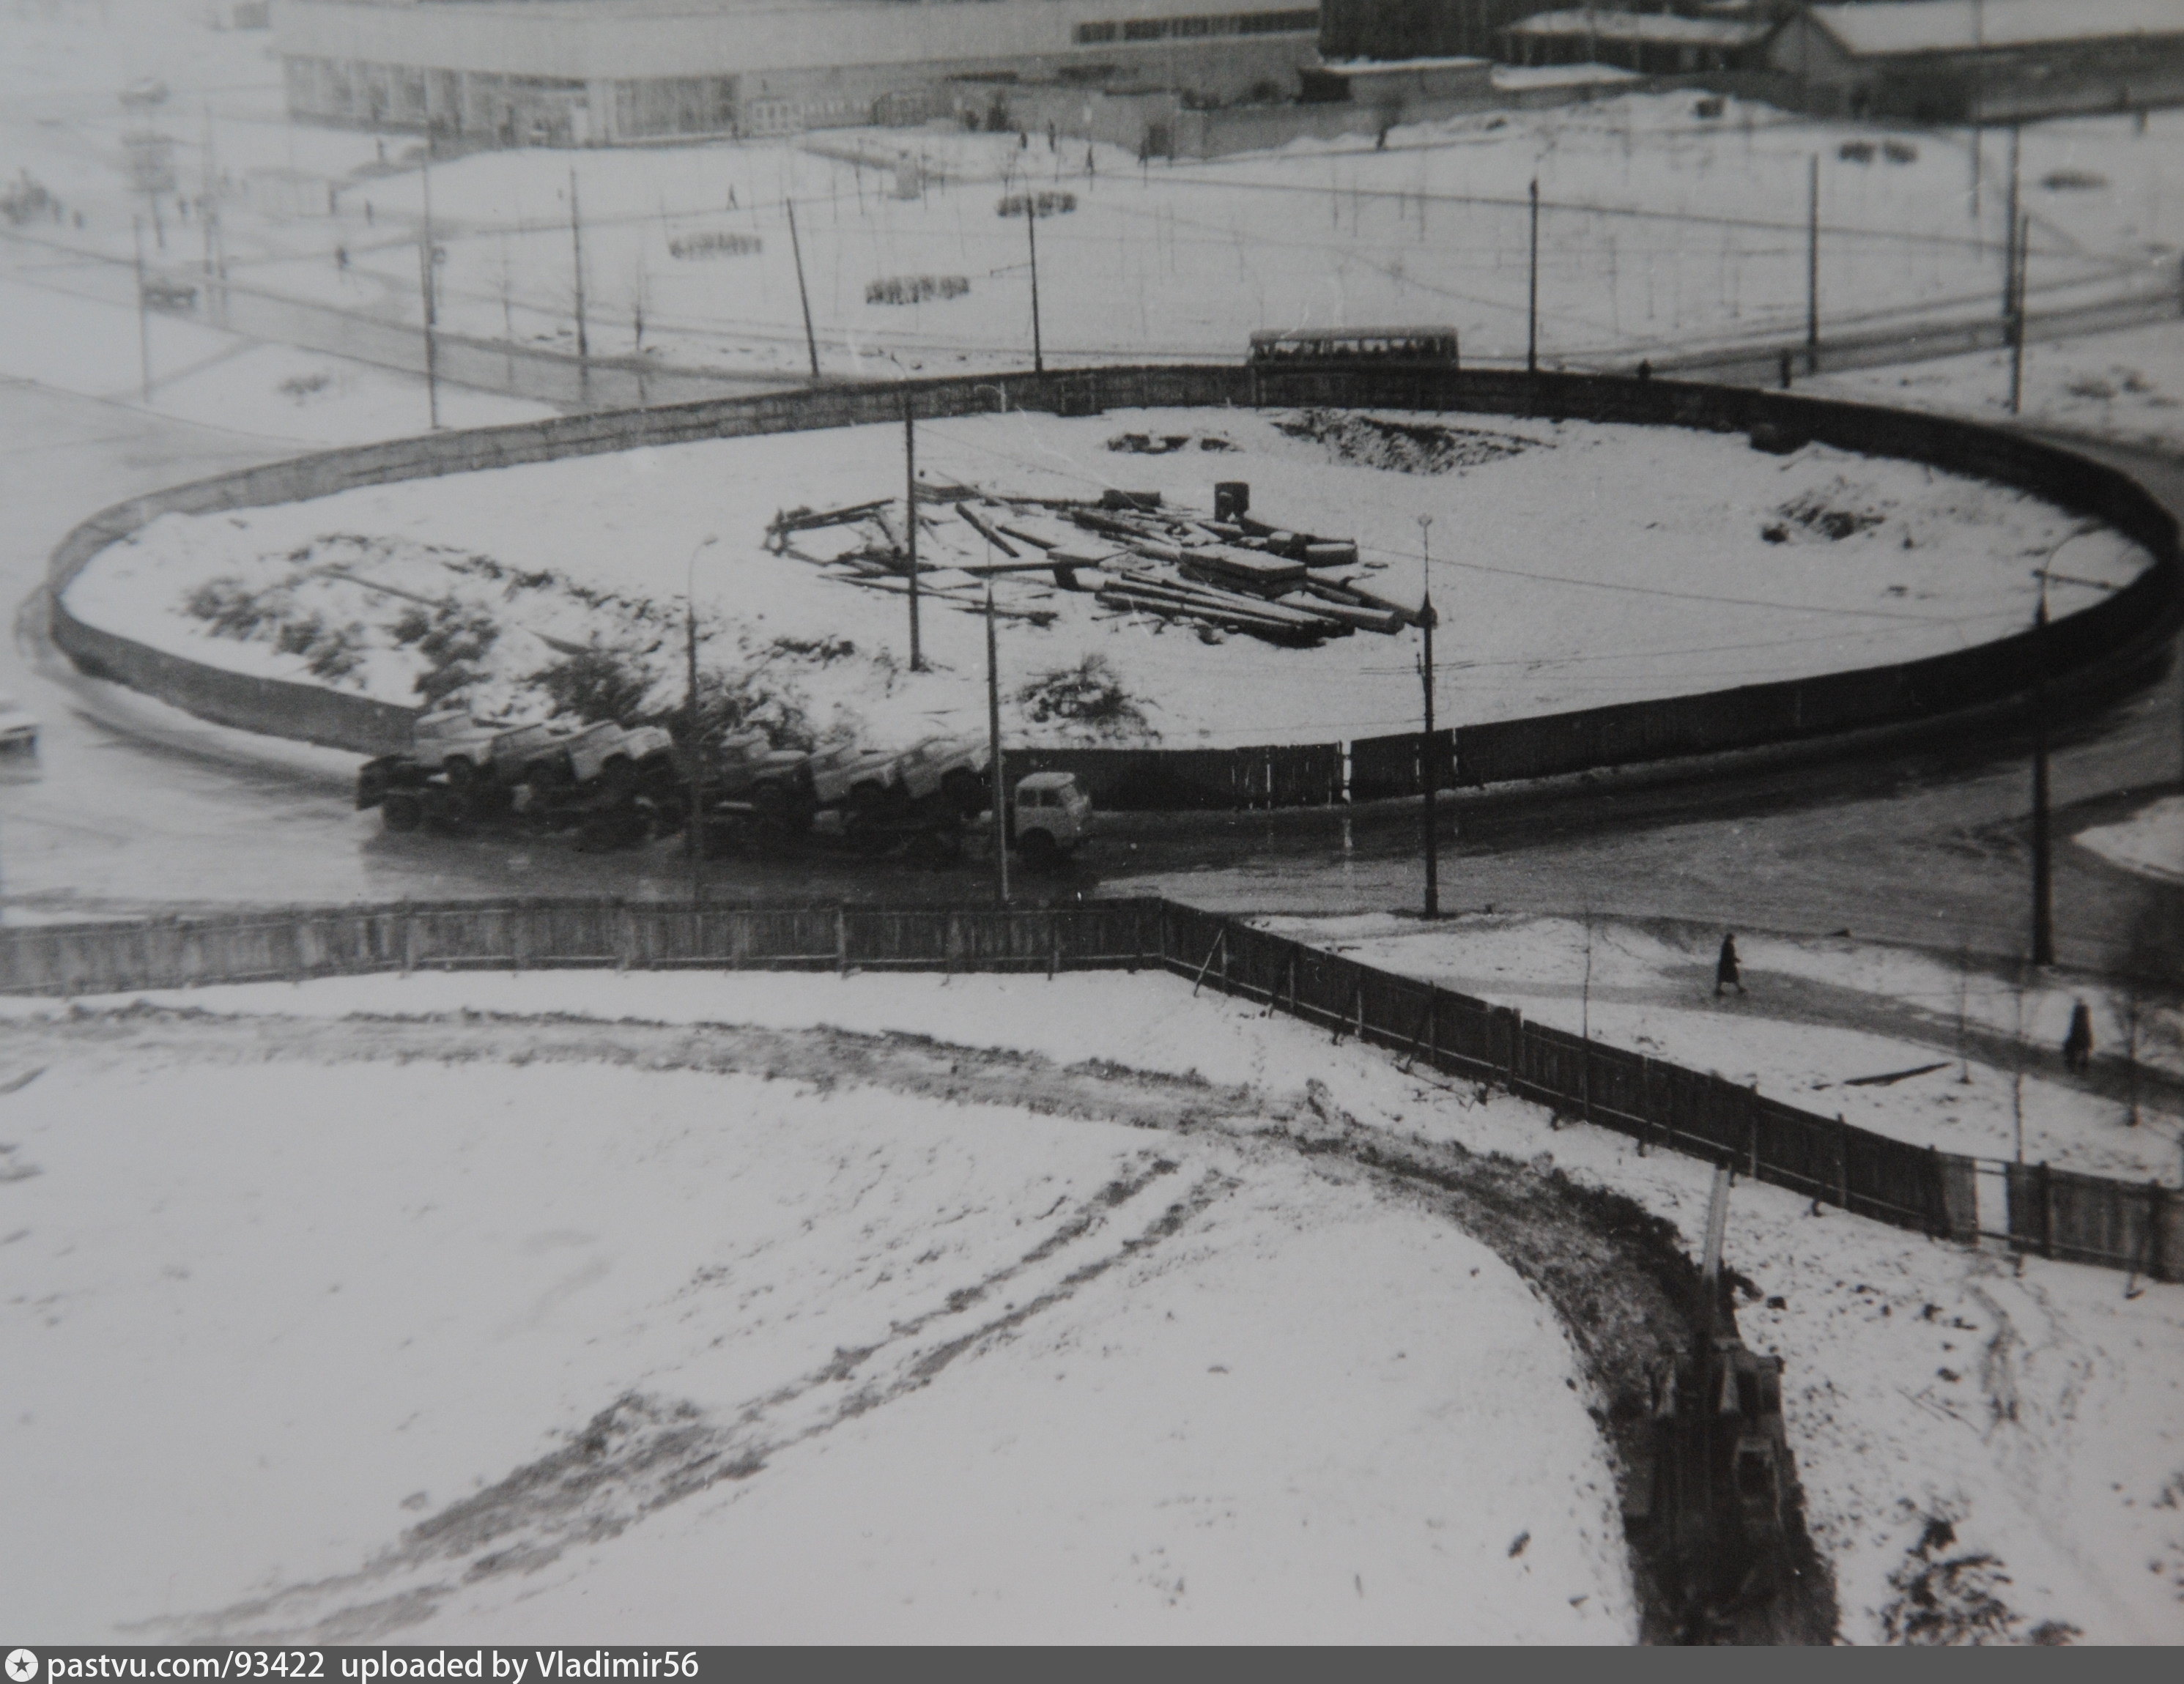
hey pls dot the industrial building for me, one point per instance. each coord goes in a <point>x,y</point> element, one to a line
<point>609,72</point>
<point>1983,61</point>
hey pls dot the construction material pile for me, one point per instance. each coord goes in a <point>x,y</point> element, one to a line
<point>1129,550</point>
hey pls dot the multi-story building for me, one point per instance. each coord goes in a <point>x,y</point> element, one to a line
<point>607,72</point>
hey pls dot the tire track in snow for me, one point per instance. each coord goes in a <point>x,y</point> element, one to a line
<point>645,1451</point>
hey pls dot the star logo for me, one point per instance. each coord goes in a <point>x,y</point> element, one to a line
<point>22,1666</point>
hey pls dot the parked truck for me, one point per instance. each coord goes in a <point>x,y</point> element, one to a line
<point>614,785</point>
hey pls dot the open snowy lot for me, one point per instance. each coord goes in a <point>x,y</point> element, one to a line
<point>1682,561</point>
<point>1817,1017</point>
<point>2151,842</point>
<point>1999,1449</point>
<point>1662,229</point>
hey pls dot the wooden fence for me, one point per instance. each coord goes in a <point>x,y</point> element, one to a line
<point>2060,1213</point>
<point>2093,639</point>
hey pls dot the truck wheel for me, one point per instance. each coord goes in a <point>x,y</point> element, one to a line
<point>461,774</point>
<point>450,815</point>
<point>1038,850</point>
<point>618,778</point>
<point>402,810</point>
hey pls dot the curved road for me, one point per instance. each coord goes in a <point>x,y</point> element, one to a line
<point>158,813</point>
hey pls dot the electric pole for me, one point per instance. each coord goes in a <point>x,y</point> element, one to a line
<point>577,245</point>
<point>2044,887</point>
<point>803,297</point>
<point>993,742</point>
<point>143,316</point>
<point>1531,297</point>
<point>693,836</point>
<point>427,261</point>
<point>910,519</point>
<point>2020,238</point>
<point>1030,227</point>
<point>1428,759</point>
<point>1813,264</point>
<point>2010,238</point>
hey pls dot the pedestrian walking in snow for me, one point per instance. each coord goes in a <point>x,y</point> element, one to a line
<point>2078,1044</point>
<point>1724,969</point>
<point>341,257</point>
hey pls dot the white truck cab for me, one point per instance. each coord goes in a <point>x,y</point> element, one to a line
<point>1052,816</point>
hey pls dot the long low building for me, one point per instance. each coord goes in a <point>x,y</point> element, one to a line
<point>1984,61</point>
<point>608,72</point>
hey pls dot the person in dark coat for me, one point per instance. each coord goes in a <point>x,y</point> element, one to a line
<point>1724,969</point>
<point>2078,1044</point>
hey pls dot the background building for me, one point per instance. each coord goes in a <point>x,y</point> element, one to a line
<point>604,72</point>
<point>1952,61</point>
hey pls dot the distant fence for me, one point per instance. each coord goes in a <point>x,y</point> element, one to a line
<point>2085,1219</point>
<point>1265,775</point>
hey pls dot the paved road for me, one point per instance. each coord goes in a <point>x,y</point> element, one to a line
<point>1925,847</point>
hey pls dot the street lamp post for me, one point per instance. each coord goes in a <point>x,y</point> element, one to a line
<point>693,835</point>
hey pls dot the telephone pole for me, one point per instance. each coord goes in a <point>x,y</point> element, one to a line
<point>1813,264</point>
<point>428,262</point>
<point>1428,759</point>
<point>2020,238</point>
<point>577,245</point>
<point>694,833</point>
<point>803,297</point>
<point>994,743</point>
<point>910,519</point>
<point>1531,297</point>
<point>1031,226</point>
<point>2043,886</point>
<point>143,316</point>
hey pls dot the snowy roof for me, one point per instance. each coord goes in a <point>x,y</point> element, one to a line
<point>1664,27</point>
<point>1558,75</point>
<point>1966,25</point>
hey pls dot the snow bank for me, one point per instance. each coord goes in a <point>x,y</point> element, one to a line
<point>2150,841</point>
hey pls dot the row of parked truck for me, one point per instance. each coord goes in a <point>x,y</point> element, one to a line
<point>618,786</point>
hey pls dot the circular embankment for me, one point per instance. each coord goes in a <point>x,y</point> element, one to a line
<point>2079,648</point>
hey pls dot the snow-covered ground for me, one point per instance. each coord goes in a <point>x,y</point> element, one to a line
<point>2151,840</point>
<point>1684,561</point>
<point>274,393</point>
<point>2015,1431</point>
<point>1662,229</point>
<point>1816,1016</point>
<point>2127,386</point>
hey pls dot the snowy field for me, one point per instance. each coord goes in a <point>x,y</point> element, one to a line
<point>1575,565</point>
<point>2127,386</point>
<point>1816,1016</point>
<point>2010,1444</point>
<point>1662,229</point>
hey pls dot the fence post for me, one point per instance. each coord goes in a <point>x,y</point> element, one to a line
<point>1843,1160</point>
<point>2046,1213</point>
<point>1053,943</point>
<point>1751,1136</point>
<point>408,938</point>
<point>1220,946</point>
<point>2157,1228</point>
<point>841,941</point>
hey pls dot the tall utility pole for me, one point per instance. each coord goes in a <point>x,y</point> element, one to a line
<point>2043,886</point>
<point>693,839</point>
<point>1813,264</point>
<point>1429,760</point>
<point>910,519</point>
<point>1532,295</point>
<point>2020,238</point>
<point>1031,226</point>
<point>803,297</point>
<point>577,244</point>
<point>143,316</point>
<point>994,743</point>
<point>2009,239</point>
<point>427,278</point>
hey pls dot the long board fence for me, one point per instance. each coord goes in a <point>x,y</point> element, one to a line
<point>2134,618</point>
<point>2059,1213</point>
